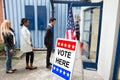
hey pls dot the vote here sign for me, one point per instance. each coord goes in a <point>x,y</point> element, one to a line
<point>64,58</point>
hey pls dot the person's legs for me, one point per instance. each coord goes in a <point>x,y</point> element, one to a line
<point>27,60</point>
<point>31,61</point>
<point>8,60</point>
<point>78,35</point>
<point>49,49</point>
<point>31,58</point>
<point>11,54</point>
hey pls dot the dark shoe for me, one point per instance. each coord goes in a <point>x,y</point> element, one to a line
<point>27,67</point>
<point>9,71</point>
<point>32,68</point>
<point>48,67</point>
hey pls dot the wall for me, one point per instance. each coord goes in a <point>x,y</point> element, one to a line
<point>61,17</point>
<point>1,12</point>
<point>108,42</point>
<point>1,16</point>
<point>15,10</point>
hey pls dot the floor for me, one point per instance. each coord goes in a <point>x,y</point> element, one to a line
<point>42,73</point>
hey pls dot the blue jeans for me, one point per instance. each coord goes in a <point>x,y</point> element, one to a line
<point>8,58</point>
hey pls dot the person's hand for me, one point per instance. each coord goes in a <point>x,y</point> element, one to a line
<point>11,50</point>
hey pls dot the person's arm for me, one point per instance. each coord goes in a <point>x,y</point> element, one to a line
<point>46,40</point>
<point>47,33</point>
<point>11,41</point>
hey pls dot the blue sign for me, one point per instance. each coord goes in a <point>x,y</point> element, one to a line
<point>61,72</point>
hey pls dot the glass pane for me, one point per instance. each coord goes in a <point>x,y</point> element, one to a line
<point>86,37</point>
<point>87,26</point>
<point>94,33</point>
<point>87,15</point>
<point>90,33</point>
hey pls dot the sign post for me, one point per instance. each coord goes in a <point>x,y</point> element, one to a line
<point>64,58</point>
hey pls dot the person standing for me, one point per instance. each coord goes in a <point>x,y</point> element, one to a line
<point>77,27</point>
<point>77,30</point>
<point>26,44</point>
<point>48,41</point>
<point>8,36</point>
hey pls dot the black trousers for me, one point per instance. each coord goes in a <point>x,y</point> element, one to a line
<point>49,49</point>
<point>29,56</point>
<point>77,35</point>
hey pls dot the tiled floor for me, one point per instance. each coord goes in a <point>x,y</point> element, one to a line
<point>42,73</point>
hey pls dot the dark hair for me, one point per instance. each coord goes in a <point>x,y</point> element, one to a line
<point>52,19</point>
<point>23,20</point>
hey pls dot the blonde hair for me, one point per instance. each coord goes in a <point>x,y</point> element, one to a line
<point>5,28</point>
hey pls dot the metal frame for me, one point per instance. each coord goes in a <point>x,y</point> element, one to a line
<point>52,5</point>
<point>79,4</point>
<point>117,57</point>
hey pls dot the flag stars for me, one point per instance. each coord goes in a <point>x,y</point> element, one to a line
<point>73,46</point>
<point>65,45</point>
<point>61,44</point>
<point>54,68</point>
<point>58,44</point>
<point>68,74</point>
<point>60,71</point>
<point>57,69</point>
<point>69,46</point>
<point>64,72</point>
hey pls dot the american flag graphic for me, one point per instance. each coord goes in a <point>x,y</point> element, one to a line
<point>70,34</point>
<point>69,45</point>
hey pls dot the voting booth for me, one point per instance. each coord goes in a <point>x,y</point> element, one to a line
<point>66,56</point>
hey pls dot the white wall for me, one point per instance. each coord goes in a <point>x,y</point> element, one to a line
<point>109,33</point>
<point>96,0</point>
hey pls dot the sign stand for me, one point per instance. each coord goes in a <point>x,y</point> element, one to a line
<point>67,63</point>
<point>78,73</point>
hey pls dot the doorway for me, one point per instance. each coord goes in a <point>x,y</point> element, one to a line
<point>91,24</point>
